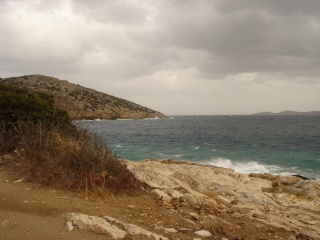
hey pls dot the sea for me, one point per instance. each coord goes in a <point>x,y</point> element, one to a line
<point>283,145</point>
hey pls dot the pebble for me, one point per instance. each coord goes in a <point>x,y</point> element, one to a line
<point>194,216</point>
<point>184,229</point>
<point>18,181</point>
<point>170,230</point>
<point>203,233</point>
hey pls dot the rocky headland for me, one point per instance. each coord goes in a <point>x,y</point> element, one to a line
<point>178,200</point>
<point>81,102</point>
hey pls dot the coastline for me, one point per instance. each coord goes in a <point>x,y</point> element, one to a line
<point>178,199</point>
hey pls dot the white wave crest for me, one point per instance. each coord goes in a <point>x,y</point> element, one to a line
<point>241,167</point>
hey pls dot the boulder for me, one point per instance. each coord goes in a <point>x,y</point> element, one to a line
<point>95,224</point>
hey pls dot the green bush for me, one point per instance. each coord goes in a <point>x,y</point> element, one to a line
<point>20,105</point>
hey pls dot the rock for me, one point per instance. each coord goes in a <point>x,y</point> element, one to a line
<point>170,230</point>
<point>190,199</point>
<point>273,200</point>
<point>173,193</point>
<point>189,221</point>
<point>203,233</point>
<point>95,224</point>
<point>162,195</point>
<point>18,181</point>
<point>135,230</point>
<point>184,230</point>
<point>70,226</point>
<point>195,216</point>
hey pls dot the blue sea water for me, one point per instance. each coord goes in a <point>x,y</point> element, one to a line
<point>259,144</point>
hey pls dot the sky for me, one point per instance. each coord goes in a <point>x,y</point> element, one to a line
<point>179,57</point>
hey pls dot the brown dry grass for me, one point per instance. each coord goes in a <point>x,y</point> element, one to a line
<point>73,159</point>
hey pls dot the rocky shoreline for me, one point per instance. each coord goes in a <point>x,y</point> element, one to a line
<point>288,206</point>
<point>179,200</point>
<point>284,202</point>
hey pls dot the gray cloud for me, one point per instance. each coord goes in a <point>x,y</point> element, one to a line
<point>152,51</point>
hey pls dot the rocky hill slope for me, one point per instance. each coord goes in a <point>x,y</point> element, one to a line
<point>81,102</point>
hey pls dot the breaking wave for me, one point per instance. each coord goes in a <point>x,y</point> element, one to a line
<point>241,167</point>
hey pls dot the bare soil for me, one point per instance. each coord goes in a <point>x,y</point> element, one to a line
<point>33,211</point>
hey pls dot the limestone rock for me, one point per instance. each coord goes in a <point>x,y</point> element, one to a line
<point>170,230</point>
<point>162,195</point>
<point>173,193</point>
<point>95,224</point>
<point>203,233</point>
<point>284,202</point>
<point>195,216</point>
<point>135,230</point>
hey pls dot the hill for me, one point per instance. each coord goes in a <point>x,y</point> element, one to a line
<point>288,113</point>
<point>81,102</point>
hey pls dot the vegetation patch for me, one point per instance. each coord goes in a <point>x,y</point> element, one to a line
<point>45,146</point>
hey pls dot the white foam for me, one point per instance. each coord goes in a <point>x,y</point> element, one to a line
<point>161,154</point>
<point>241,167</point>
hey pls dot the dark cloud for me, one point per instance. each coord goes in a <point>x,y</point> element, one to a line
<point>177,47</point>
<point>117,12</point>
<point>245,35</point>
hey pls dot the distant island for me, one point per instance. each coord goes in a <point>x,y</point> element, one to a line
<point>81,102</point>
<point>288,113</point>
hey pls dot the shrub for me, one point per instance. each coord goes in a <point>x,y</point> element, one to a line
<point>50,149</point>
<point>21,105</point>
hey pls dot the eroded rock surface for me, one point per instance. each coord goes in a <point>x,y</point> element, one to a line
<point>283,202</point>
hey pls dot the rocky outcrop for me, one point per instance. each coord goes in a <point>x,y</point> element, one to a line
<point>109,226</point>
<point>81,102</point>
<point>215,202</point>
<point>282,202</point>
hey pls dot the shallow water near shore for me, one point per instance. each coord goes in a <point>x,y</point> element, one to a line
<point>259,144</point>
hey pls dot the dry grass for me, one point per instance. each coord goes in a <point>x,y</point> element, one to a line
<point>74,159</point>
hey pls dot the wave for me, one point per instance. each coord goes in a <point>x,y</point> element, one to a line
<point>241,167</point>
<point>255,167</point>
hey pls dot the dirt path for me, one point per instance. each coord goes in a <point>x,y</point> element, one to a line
<point>31,211</point>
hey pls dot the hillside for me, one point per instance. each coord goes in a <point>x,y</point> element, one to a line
<point>81,102</point>
<point>288,113</point>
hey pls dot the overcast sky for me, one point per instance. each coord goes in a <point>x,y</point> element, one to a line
<point>174,56</point>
